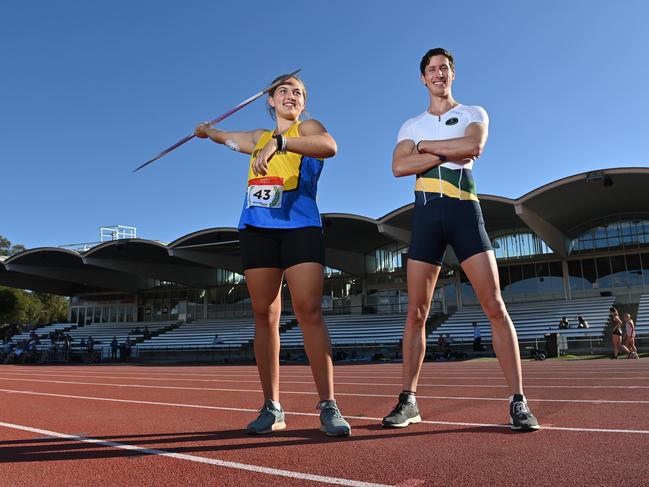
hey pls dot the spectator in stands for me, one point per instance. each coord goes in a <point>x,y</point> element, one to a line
<point>629,336</point>
<point>477,338</point>
<point>9,354</point>
<point>615,324</point>
<point>448,342</point>
<point>82,344</point>
<point>147,333</point>
<point>113,348</point>
<point>564,324</point>
<point>127,348</point>
<point>217,340</point>
<point>582,322</point>
<point>441,344</point>
<point>18,353</point>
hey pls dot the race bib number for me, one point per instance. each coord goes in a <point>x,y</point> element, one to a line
<point>265,192</point>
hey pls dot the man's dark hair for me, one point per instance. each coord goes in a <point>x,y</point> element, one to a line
<point>438,51</point>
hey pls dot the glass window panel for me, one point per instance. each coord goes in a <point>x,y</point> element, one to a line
<point>618,271</point>
<point>634,270</point>
<point>503,275</point>
<point>588,270</point>
<point>529,271</point>
<point>556,269</point>
<point>604,272</point>
<point>515,273</point>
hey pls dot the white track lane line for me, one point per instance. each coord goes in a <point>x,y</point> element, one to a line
<point>309,393</point>
<point>363,418</point>
<point>172,376</point>
<point>198,459</point>
<point>368,384</point>
<point>216,377</point>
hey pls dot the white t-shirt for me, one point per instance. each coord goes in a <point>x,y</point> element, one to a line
<point>450,125</point>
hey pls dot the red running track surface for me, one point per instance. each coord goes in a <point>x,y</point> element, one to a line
<point>137,425</point>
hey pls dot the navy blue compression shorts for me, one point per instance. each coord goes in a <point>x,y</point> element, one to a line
<point>447,221</point>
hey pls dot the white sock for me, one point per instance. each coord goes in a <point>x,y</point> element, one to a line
<point>276,405</point>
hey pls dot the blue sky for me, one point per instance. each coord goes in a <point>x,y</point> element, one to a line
<point>90,90</point>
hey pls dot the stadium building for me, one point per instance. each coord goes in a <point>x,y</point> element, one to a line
<point>582,240</point>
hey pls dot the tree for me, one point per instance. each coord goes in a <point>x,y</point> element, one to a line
<point>18,306</point>
<point>51,308</point>
<point>6,248</point>
<point>9,304</point>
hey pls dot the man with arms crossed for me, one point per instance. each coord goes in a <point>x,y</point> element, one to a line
<point>439,147</point>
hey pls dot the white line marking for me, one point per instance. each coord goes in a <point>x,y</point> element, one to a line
<point>378,384</point>
<point>310,393</point>
<point>217,377</point>
<point>198,459</point>
<point>364,418</point>
<point>306,375</point>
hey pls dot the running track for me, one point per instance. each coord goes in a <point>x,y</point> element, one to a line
<point>139,425</point>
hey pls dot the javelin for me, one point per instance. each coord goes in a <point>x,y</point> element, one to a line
<point>221,117</point>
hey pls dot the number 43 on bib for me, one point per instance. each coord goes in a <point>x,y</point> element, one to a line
<point>265,192</point>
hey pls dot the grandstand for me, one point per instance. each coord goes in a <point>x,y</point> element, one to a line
<point>531,320</point>
<point>572,246</point>
<point>642,322</point>
<point>354,330</point>
<point>103,333</point>
<point>201,334</point>
<point>42,332</point>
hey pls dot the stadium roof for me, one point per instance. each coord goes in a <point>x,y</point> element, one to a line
<point>557,212</point>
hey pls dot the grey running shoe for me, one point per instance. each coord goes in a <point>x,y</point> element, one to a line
<point>269,419</point>
<point>331,421</point>
<point>403,414</point>
<point>520,416</point>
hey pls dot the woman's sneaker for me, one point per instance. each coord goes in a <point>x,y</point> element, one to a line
<point>270,419</point>
<point>403,414</point>
<point>520,416</point>
<point>331,421</point>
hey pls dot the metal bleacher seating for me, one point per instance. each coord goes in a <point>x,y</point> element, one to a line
<point>354,330</point>
<point>531,320</point>
<point>201,334</point>
<point>103,333</point>
<point>42,332</point>
<point>642,321</point>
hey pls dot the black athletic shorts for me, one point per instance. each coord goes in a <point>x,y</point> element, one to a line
<point>280,248</point>
<point>447,221</point>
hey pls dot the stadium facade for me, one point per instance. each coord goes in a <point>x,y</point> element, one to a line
<point>582,236</point>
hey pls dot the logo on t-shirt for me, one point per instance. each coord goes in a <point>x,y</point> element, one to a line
<point>452,121</point>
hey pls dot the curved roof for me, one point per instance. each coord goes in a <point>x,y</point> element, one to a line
<point>556,212</point>
<point>590,195</point>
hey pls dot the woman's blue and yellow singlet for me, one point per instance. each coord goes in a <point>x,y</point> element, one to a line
<point>299,175</point>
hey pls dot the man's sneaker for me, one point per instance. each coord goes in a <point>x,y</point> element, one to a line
<point>269,419</point>
<point>331,421</point>
<point>403,414</point>
<point>520,416</point>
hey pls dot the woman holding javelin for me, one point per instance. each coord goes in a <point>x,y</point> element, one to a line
<point>281,237</point>
<point>439,147</point>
